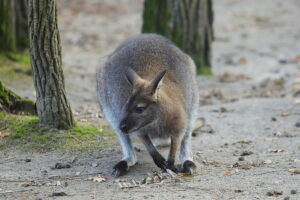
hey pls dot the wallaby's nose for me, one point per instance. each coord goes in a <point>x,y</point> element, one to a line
<point>123,128</point>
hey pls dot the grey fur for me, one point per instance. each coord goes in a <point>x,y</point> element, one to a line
<point>147,53</point>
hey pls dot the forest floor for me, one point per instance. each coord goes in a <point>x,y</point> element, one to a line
<point>249,147</point>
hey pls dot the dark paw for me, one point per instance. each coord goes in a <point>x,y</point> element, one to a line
<point>172,167</point>
<point>120,168</point>
<point>160,161</point>
<point>188,167</point>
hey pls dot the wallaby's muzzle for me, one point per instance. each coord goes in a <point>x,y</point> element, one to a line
<point>123,127</point>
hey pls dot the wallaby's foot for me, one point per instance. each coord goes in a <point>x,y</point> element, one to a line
<point>173,168</point>
<point>188,167</point>
<point>160,161</point>
<point>120,168</point>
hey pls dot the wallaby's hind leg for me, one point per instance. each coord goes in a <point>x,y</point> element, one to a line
<point>157,157</point>
<point>186,155</point>
<point>129,157</point>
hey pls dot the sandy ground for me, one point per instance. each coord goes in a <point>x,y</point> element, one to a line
<point>251,107</point>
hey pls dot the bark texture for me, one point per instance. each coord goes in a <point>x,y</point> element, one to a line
<point>22,37</point>
<point>13,103</point>
<point>188,23</point>
<point>7,25</point>
<point>52,105</point>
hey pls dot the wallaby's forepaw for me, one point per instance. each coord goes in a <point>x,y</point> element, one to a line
<point>120,168</point>
<point>173,168</point>
<point>188,167</point>
<point>160,161</point>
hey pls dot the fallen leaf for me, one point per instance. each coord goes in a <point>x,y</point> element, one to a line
<point>98,179</point>
<point>58,194</point>
<point>295,59</point>
<point>229,173</point>
<point>276,150</point>
<point>294,171</point>
<point>284,114</point>
<point>242,61</point>
<point>131,184</point>
<point>274,193</point>
<point>121,180</point>
<point>238,191</point>
<point>270,139</point>
<point>186,175</point>
<point>246,166</point>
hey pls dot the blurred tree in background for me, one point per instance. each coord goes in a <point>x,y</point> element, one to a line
<point>13,25</point>
<point>52,105</point>
<point>22,36</point>
<point>7,25</point>
<point>188,23</point>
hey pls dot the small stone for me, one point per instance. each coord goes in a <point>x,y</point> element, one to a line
<point>27,160</point>
<point>283,61</point>
<point>268,161</point>
<point>297,124</point>
<point>274,193</point>
<point>241,158</point>
<point>94,164</point>
<point>58,194</point>
<point>286,198</point>
<point>274,119</point>
<point>278,134</point>
<point>246,153</point>
<point>61,166</point>
<point>293,191</point>
<point>44,172</point>
<point>137,149</point>
<point>269,194</point>
<point>236,165</point>
<point>223,109</point>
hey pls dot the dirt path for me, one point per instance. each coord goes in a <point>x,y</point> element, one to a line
<point>251,108</point>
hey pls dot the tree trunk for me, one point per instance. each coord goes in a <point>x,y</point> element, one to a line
<point>52,105</point>
<point>188,23</point>
<point>22,37</point>
<point>7,26</point>
<point>13,103</point>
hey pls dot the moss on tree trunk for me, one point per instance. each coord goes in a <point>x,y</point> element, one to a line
<point>13,103</point>
<point>7,25</point>
<point>52,105</point>
<point>188,23</point>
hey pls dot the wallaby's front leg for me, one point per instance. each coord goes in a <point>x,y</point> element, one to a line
<point>175,143</point>
<point>157,157</point>
<point>186,155</point>
<point>129,157</point>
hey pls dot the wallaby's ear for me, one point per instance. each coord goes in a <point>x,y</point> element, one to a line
<point>155,84</point>
<point>131,76</point>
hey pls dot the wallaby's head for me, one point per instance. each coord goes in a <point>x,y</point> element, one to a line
<point>142,107</point>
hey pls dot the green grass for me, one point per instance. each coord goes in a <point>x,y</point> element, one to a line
<point>14,66</point>
<point>26,133</point>
<point>204,71</point>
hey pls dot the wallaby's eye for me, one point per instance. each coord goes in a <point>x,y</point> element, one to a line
<point>139,110</point>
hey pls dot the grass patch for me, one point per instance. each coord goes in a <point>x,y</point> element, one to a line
<point>14,65</point>
<point>26,133</point>
<point>204,71</point>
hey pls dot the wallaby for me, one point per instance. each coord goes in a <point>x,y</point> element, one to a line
<point>147,88</point>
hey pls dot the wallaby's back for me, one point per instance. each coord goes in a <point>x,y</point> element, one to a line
<point>147,55</point>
